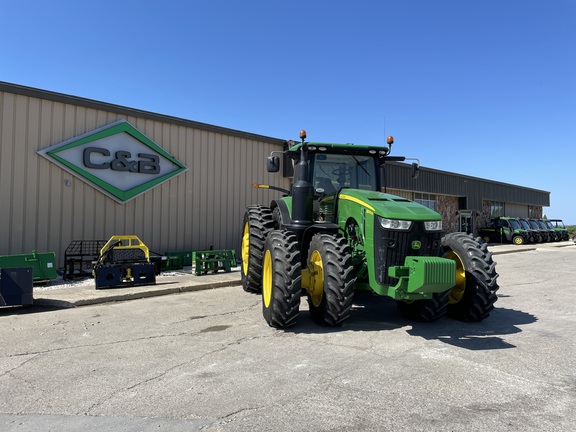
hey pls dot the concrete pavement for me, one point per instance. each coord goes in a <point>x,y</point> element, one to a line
<point>84,293</point>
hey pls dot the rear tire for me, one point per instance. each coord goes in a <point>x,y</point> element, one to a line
<point>474,295</point>
<point>257,224</point>
<point>331,291</point>
<point>281,277</point>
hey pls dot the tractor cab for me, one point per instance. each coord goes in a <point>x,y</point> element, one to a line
<point>334,167</point>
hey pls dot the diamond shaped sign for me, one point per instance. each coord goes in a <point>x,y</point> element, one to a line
<point>116,159</point>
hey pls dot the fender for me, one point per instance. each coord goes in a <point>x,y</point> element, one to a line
<point>282,207</point>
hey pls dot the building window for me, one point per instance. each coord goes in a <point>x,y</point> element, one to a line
<point>497,209</point>
<point>427,200</point>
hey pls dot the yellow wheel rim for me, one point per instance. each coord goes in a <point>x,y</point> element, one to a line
<point>245,249</point>
<point>316,287</point>
<point>457,291</point>
<point>518,240</point>
<point>267,279</point>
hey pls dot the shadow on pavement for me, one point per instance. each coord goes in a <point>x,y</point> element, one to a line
<point>375,313</point>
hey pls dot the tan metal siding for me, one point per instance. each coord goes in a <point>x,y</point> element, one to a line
<point>44,208</point>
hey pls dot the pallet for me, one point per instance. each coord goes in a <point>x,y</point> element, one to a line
<point>213,260</point>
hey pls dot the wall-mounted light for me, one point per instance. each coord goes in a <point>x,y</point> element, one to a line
<point>67,183</point>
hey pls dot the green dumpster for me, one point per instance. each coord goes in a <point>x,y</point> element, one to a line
<point>43,264</point>
<point>186,256</point>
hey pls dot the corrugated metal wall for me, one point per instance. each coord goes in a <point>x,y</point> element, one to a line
<point>451,184</point>
<point>44,208</point>
<point>516,210</point>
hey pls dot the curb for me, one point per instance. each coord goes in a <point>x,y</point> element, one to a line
<point>510,251</point>
<point>121,295</point>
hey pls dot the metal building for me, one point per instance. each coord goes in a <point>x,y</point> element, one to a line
<point>77,169</point>
<point>44,205</point>
<point>466,203</point>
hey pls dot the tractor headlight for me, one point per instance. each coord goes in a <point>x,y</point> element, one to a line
<point>433,225</point>
<point>395,224</point>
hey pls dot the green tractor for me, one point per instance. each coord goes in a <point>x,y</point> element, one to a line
<point>336,232</point>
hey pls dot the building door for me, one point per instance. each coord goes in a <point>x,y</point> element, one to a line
<point>466,221</point>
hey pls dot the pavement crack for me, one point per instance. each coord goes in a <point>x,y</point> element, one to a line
<point>9,371</point>
<point>117,342</point>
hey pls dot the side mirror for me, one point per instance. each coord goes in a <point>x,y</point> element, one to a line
<point>415,170</point>
<point>273,164</point>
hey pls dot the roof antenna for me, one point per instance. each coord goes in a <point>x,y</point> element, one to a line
<point>384,126</point>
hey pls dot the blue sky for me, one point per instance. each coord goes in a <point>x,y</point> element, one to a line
<point>483,88</point>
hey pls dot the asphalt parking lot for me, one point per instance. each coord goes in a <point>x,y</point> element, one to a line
<point>206,360</point>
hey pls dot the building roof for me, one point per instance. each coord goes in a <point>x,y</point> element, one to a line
<point>94,104</point>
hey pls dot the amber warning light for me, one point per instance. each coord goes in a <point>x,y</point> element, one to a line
<point>302,134</point>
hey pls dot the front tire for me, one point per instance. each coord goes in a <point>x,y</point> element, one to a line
<point>474,295</point>
<point>518,240</point>
<point>425,310</point>
<point>257,224</point>
<point>281,277</point>
<point>330,286</point>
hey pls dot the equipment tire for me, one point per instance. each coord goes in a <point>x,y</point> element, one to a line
<point>256,225</point>
<point>425,310</point>
<point>518,240</point>
<point>277,218</point>
<point>474,295</point>
<point>281,277</point>
<point>330,290</point>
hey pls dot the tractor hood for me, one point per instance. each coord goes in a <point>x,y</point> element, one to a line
<point>389,206</point>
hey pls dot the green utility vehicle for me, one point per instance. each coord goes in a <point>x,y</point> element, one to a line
<point>544,232</point>
<point>548,234</point>
<point>504,229</point>
<point>558,226</point>
<point>335,232</point>
<point>535,236</point>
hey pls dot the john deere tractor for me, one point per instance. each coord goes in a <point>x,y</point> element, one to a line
<point>336,232</point>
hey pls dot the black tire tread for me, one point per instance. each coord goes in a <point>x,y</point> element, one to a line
<point>425,310</point>
<point>286,279</point>
<point>481,277</point>
<point>260,223</point>
<point>338,279</point>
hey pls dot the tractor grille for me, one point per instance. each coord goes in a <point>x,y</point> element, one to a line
<point>391,247</point>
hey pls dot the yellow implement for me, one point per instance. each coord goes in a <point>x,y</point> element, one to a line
<point>124,261</point>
